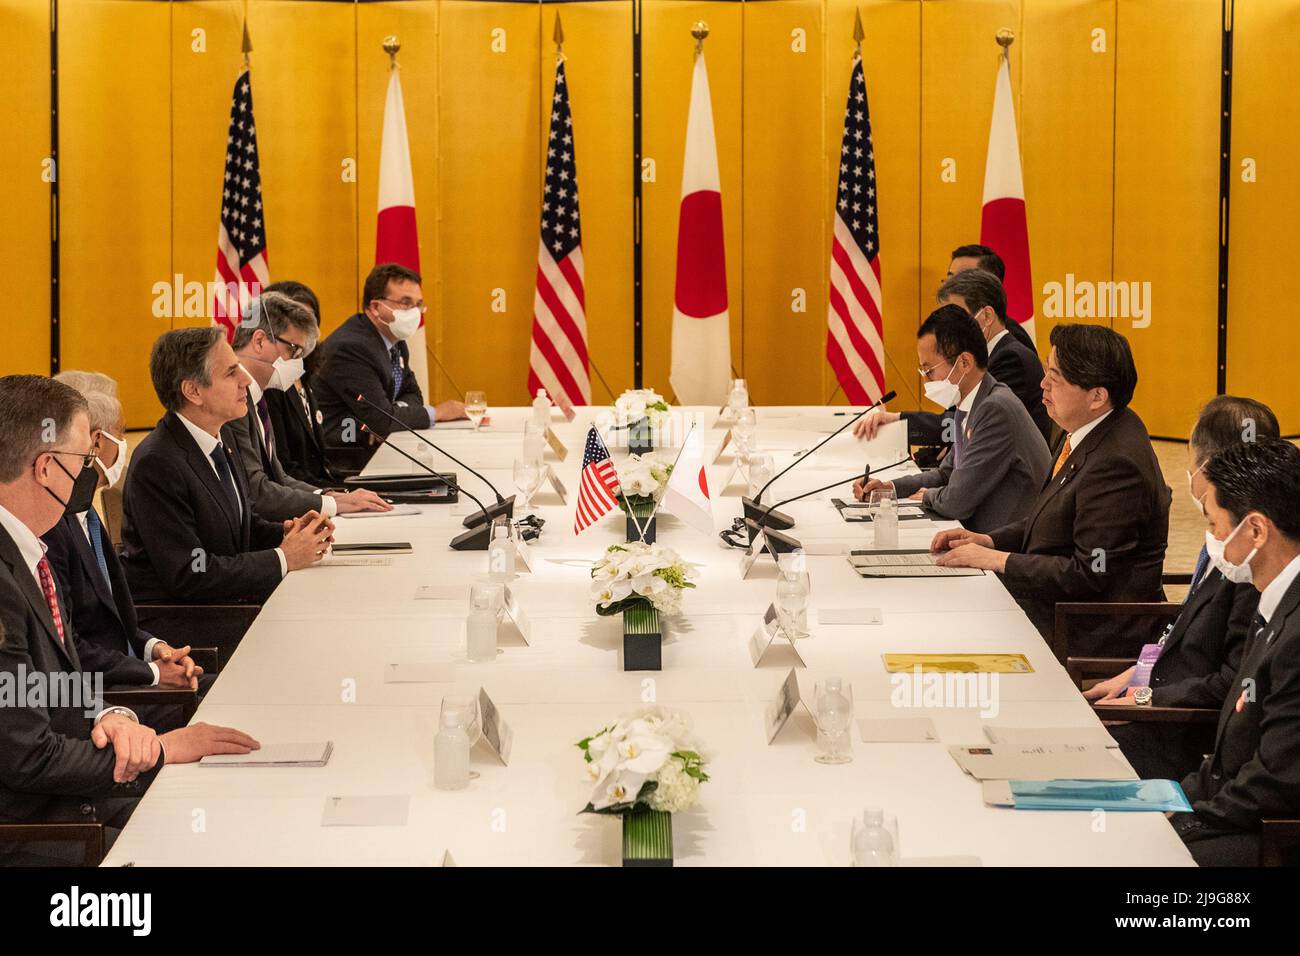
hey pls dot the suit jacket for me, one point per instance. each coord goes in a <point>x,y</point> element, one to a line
<point>299,438</point>
<point>1004,462</point>
<point>275,495</point>
<point>103,617</point>
<point>1254,771</point>
<point>49,769</point>
<point>1197,668</point>
<point>1096,532</point>
<point>182,537</point>
<point>355,360</point>
<point>1014,364</point>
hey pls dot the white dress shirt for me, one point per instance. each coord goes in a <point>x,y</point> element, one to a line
<point>208,444</point>
<point>1076,437</point>
<point>32,550</point>
<point>329,507</point>
<point>1272,595</point>
<point>993,342</point>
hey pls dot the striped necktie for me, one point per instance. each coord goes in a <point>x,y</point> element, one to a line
<point>95,531</point>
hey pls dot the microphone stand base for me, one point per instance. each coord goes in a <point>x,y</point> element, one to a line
<point>502,509</point>
<point>475,539</point>
<point>764,518</point>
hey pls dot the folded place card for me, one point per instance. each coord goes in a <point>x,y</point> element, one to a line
<point>275,755</point>
<point>524,557</point>
<point>765,635</point>
<point>789,698</point>
<point>557,446</point>
<point>898,730</point>
<point>496,732</point>
<point>1029,736</point>
<point>556,485</point>
<point>385,811</point>
<point>420,672</point>
<point>958,663</point>
<point>726,440</point>
<point>848,615</point>
<point>513,619</point>
<point>352,561</point>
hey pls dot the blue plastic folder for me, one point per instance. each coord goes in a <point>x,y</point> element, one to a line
<point>1119,795</point>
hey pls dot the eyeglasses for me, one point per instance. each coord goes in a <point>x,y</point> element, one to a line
<point>87,459</point>
<point>925,372</point>
<point>295,351</point>
<point>408,304</point>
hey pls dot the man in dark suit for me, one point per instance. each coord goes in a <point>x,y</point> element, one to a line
<point>1011,362</point>
<point>1253,774</point>
<point>271,346</point>
<point>86,567</point>
<point>975,256</point>
<point>367,355</point>
<point>62,756</point>
<point>1197,657</point>
<point>1099,527</point>
<point>188,532</point>
<point>999,460</point>
<point>296,418</point>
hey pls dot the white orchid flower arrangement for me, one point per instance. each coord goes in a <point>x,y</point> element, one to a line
<point>637,573</point>
<point>642,479</point>
<point>649,758</point>
<point>638,403</point>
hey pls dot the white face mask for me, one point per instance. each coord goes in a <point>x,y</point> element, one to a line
<point>404,324</point>
<point>287,371</point>
<point>1199,502</point>
<point>1236,573</point>
<point>113,475</point>
<point>944,393</point>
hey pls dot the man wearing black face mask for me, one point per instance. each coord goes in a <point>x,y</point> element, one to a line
<point>87,569</point>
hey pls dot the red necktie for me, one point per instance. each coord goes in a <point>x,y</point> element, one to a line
<point>51,599</point>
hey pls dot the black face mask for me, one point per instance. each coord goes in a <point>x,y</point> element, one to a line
<point>83,490</point>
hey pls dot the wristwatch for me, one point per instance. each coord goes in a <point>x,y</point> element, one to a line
<point>1142,696</point>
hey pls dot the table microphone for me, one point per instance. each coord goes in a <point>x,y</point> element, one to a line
<point>773,519</point>
<point>784,543</point>
<point>477,538</point>
<point>504,508</point>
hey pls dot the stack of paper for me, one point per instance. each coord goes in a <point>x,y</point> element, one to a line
<point>275,755</point>
<point>1153,796</point>
<point>904,563</point>
<point>1041,762</point>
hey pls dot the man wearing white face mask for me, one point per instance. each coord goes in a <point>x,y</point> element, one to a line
<point>999,459</point>
<point>1253,510</point>
<point>85,564</point>
<point>368,356</point>
<point>270,346</point>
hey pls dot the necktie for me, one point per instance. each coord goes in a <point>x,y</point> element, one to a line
<point>959,436</point>
<point>51,599</point>
<point>396,355</point>
<point>268,437</point>
<point>223,474</point>
<point>1202,561</point>
<point>1060,459</point>
<point>95,529</point>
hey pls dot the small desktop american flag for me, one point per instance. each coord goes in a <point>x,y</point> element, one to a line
<point>597,485</point>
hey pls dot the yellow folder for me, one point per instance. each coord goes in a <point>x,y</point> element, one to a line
<point>960,663</point>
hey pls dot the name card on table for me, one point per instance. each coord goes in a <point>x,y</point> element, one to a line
<point>556,485</point>
<point>726,440</point>
<point>524,556</point>
<point>419,672</point>
<point>447,860</point>
<point>352,561</point>
<point>513,618</point>
<point>765,635</point>
<point>496,732</point>
<point>367,811</point>
<point>849,615</point>
<point>440,592</point>
<point>788,699</point>
<point>748,558</point>
<point>557,446</point>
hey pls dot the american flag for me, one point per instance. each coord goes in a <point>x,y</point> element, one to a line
<point>557,359</point>
<point>241,240</point>
<point>597,485</point>
<point>854,340</point>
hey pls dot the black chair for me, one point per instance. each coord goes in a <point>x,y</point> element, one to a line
<point>89,835</point>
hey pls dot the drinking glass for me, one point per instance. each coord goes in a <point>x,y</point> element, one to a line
<point>791,602</point>
<point>476,407</point>
<point>761,469</point>
<point>528,478</point>
<point>834,715</point>
<point>534,440</point>
<point>743,431</point>
<point>467,718</point>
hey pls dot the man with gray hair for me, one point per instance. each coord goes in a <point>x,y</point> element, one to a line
<point>271,345</point>
<point>55,757</point>
<point>87,568</point>
<point>189,532</point>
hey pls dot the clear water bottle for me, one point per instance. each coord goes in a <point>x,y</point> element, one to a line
<point>451,754</point>
<point>738,398</point>
<point>873,844</point>
<point>542,408</point>
<point>481,629</point>
<point>501,553</point>
<point>885,523</point>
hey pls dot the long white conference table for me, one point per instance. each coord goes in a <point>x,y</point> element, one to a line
<point>312,668</point>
